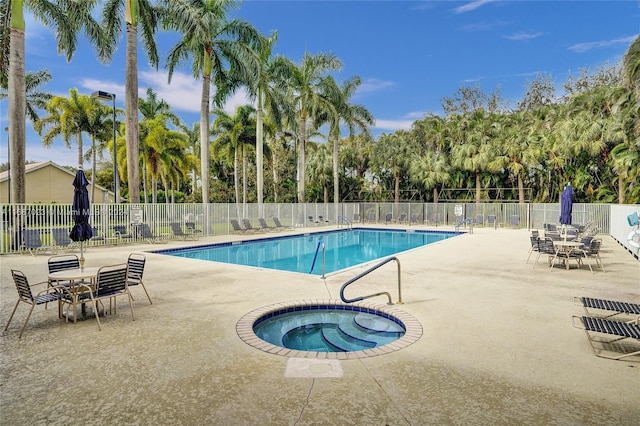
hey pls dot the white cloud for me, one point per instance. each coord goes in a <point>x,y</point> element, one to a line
<point>373,85</point>
<point>472,6</point>
<point>585,47</point>
<point>523,36</point>
<point>393,125</point>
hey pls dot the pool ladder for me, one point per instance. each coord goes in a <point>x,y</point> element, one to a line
<point>346,221</point>
<point>368,271</point>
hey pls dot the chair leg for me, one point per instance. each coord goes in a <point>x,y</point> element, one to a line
<point>26,321</point>
<point>11,317</point>
<point>145,292</point>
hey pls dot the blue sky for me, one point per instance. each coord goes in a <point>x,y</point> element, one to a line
<point>409,54</point>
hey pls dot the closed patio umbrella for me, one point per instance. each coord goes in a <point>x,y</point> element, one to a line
<point>81,211</point>
<point>566,205</point>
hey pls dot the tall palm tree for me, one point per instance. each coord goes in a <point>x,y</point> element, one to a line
<point>214,45</point>
<point>145,14</point>
<point>393,155</point>
<point>306,83</point>
<point>36,99</point>
<point>67,18</point>
<point>352,116</point>
<point>430,170</point>
<point>236,133</point>
<point>320,169</point>
<point>193,136</point>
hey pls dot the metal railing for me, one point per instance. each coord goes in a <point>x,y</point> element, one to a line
<point>320,244</point>
<point>344,219</point>
<point>368,271</point>
<point>213,219</point>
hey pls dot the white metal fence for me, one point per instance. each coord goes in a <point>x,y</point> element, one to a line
<point>213,219</point>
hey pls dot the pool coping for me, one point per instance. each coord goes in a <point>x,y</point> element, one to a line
<point>244,330</point>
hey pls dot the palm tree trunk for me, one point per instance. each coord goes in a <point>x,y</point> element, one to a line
<point>17,103</point>
<point>244,182</point>
<point>80,159</point>
<point>236,181</point>
<point>477,187</point>
<point>204,137</point>
<point>144,182</point>
<point>397,187</point>
<point>520,189</point>
<point>336,177</point>
<point>301,158</point>
<point>259,152</point>
<point>131,106</point>
<point>93,168</point>
<point>620,189</point>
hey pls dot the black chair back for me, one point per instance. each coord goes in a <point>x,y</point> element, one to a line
<point>136,262</point>
<point>111,279</point>
<point>22,285</point>
<point>63,262</point>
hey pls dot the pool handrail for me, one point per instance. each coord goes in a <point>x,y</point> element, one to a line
<point>320,243</point>
<point>373,268</point>
<point>345,220</point>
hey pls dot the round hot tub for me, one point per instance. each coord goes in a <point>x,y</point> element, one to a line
<point>328,329</point>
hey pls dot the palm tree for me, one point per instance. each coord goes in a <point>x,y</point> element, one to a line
<point>193,136</point>
<point>68,117</point>
<point>143,13</point>
<point>430,170</point>
<point>213,44</point>
<point>306,84</point>
<point>393,154</point>
<point>320,169</point>
<point>235,133</point>
<point>36,99</point>
<point>353,116</point>
<point>67,18</point>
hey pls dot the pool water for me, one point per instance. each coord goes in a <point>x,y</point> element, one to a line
<point>303,253</point>
<point>328,329</point>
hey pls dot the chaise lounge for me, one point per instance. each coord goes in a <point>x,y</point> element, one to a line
<point>618,347</point>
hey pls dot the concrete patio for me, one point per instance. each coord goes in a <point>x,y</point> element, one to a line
<point>498,345</point>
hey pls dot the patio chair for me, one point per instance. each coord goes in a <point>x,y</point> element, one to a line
<point>356,217</point>
<point>265,226</point>
<point>612,307</point>
<point>414,218</point>
<point>436,219</point>
<point>591,252</point>
<point>388,218</point>
<point>371,217</point>
<point>25,295</point>
<point>120,231</point>
<point>147,235</point>
<point>62,240</point>
<point>136,262</point>
<point>312,220</point>
<point>180,234</point>
<point>479,220</point>
<point>32,242</point>
<point>321,219</point>
<point>515,220</point>
<point>545,247</point>
<point>534,244</point>
<point>111,282</point>
<point>610,348</point>
<point>402,218</point>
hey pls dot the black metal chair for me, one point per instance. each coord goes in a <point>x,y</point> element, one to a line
<point>32,242</point>
<point>147,235</point>
<point>265,226</point>
<point>25,295</point>
<point>136,262</point>
<point>120,231</point>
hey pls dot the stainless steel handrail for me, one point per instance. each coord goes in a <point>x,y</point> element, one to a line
<point>345,220</point>
<point>373,268</point>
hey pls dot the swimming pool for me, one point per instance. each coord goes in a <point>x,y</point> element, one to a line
<point>303,253</point>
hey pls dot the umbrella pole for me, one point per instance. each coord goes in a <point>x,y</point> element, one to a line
<point>82,255</point>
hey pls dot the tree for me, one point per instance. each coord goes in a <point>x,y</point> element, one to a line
<point>214,44</point>
<point>143,13</point>
<point>306,85</point>
<point>67,18</point>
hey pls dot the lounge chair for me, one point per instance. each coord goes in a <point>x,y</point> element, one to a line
<point>479,220</point>
<point>279,224</point>
<point>191,227</point>
<point>25,295</point>
<point>613,308</point>
<point>312,220</point>
<point>246,223</point>
<point>182,235</point>
<point>235,225</point>
<point>32,242</point>
<point>264,226</point>
<point>436,219</point>
<point>612,348</point>
<point>147,235</point>
<point>371,217</point>
<point>62,240</point>
<point>120,232</point>
<point>515,220</point>
<point>96,235</point>
<point>414,218</point>
<point>492,221</point>
<point>388,218</point>
<point>402,218</point>
<point>321,219</point>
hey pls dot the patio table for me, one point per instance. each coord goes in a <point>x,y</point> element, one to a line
<point>76,278</point>
<point>566,247</point>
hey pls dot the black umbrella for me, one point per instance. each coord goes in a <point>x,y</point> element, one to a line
<point>81,211</point>
<point>566,205</point>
